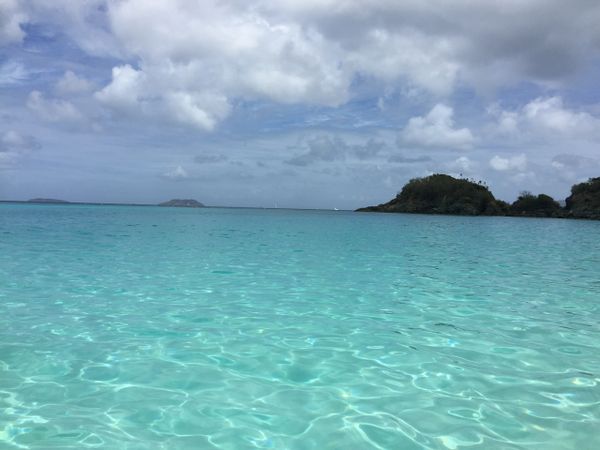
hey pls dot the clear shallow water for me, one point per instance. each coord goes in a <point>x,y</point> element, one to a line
<point>150,328</point>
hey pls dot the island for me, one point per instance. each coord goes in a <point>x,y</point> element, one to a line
<point>47,200</point>
<point>584,201</point>
<point>183,203</point>
<point>444,194</point>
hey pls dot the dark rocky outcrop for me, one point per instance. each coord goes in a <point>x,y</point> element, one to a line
<point>584,201</point>
<point>443,194</point>
<point>183,203</point>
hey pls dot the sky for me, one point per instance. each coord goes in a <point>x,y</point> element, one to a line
<point>295,103</point>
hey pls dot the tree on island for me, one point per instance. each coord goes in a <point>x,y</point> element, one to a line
<point>541,205</point>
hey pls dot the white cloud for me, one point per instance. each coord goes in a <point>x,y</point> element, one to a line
<point>437,130</point>
<point>11,17</point>
<point>312,52</point>
<point>124,91</point>
<point>176,174</point>
<point>411,56</point>
<point>550,114</point>
<point>463,164</point>
<point>202,110</point>
<point>134,91</point>
<point>71,84</point>
<point>53,110</point>
<point>513,163</point>
<point>545,117</point>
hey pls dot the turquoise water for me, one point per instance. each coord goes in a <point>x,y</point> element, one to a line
<point>160,328</point>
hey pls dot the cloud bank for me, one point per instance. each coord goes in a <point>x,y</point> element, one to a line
<point>309,92</point>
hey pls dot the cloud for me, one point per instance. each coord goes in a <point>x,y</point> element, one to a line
<point>550,114</point>
<point>574,161</point>
<point>514,163</point>
<point>53,110</point>
<point>192,61</point>
<point>201,109</point>
<point>133,91</point>
<point>436,130</point>
<point>11,18</point>
<point>407,159</point>
<point>84,23</point>
<point>571,168</point>
<point>176,174</point>
<point>71,84</point>
<point>124,91</point>
<point>463,164</point>
<point>262,73</point>
<point>320,148</point>
<point>13,146</point>
<point>328,148</point>
<point>210,159</point>
<point>543,117</point>
<point>13,73</point>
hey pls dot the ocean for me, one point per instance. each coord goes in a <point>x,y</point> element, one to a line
<point>125,327</point>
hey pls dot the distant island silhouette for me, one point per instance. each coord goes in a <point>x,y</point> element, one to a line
<point>444,194</point>
<point>183,203</point>
<point>47,200</point>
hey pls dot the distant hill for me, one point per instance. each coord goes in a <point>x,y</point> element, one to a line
<point>47,200</point>
<point>183,203</point>
<point>584,201</point>
<point>443,194</point>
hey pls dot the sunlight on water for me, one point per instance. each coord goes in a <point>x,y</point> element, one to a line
<point>143,327</point>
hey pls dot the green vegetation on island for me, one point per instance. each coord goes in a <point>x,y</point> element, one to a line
<point>441,194</point>
<point>183,203</point>
<point>444,194</point>
<point>584,201</point>
<point>530,205</point>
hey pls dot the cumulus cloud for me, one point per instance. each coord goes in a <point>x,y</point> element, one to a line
<point>53,110</point>
<point>546,116</point>
<point>259,67</point>
<point>125,89</point>
<point>550,114</point>
<point>11,18</point>
<point>516,163</point>
<point>463,164</point>
<point>200,109</point>
<point>176,174</point>
<point>192,60</point>
<point>71,84</point>
<point>436,130</point>
<point>133,91</point>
